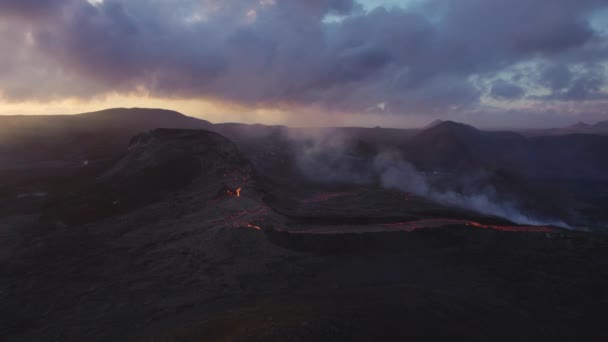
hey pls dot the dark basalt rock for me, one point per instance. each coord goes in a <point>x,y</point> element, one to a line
<point>156,163</point>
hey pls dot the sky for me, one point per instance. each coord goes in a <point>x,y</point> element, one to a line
<point>490,63</point>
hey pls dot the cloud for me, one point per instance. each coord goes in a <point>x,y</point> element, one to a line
<point>421,60</point>
<point>31,8</point>
<point>504,90</point>
<point>557,77</point>
<point>585,84</point>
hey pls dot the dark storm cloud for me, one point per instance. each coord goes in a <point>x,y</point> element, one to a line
<point>585,87</point>
<point>340,7</point>
<point>285,51</point>
<point>504,90</point>
<point>31,8</point>
<point>568,85</point>
<point>28,6</point>
<point>557,77</point>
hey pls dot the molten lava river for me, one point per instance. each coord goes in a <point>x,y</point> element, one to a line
<point>251,212</point>
<point>411,226</point>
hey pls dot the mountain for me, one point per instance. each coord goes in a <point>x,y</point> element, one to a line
<point>116,119</point>
<point>450,127</point>
<point>182,223</point>
<point>579,125</point>
<point>156,163</point>
<point>47,139</point>
<point>433,124</point>
<point>452,146</point>
<point>600,128</point>
<point>601,124</point>
<point>456,147</point>
<point>575,156</point>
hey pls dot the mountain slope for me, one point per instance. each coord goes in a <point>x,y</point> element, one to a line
<point>76,138</point>
<point>580,124</point>
<point>600,128</point>
<point>433,124</point>
<point>601,124</point>
<point>157,163</point>
<point>452,146</point>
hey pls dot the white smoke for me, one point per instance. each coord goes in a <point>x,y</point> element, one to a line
<point>322,155</point>
<point>327,156</point>
<point>396,173</point>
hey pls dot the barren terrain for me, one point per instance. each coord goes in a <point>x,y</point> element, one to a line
<point>187,236</point>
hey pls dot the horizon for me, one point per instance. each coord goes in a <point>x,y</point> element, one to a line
<point>311,126</point>
<point>422,127</point>
<point>330,63</point>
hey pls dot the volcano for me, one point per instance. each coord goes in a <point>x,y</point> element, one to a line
<point>185,234</point>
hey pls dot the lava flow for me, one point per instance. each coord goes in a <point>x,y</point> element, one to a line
<point>243,218</point>
<point>530,229</point>
<point>326,196</point>
<point>254,226</point>
<point>434,223</point>
<point>236,192</point>
<point>411,226</point>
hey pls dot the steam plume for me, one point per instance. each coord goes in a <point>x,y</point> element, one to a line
<point>328,156</point>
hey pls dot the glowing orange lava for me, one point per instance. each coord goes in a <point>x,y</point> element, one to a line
<point>410,226</point>
<point>434,223</point>
<point>254,227</point>
<point>236,192</point>
<point>532,229</point>
<point>326,196</point>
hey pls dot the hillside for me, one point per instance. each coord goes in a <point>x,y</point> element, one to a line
<point>177,240</point>
<point>51,139</point>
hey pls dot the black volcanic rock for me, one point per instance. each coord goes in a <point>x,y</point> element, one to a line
<point>155,164</point>
<point>153,150</point>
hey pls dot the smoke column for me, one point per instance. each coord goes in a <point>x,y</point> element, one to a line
<point>326,156</point>
<point>396,173</point>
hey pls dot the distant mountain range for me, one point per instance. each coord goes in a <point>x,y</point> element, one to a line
<point>580,127</point>
<point>601,124</point>
<point>443,145</point>
<point>583,125</point>
<point>117,120</point>
<point>88,136</point>
<point>452,146</point>
<point>452,154</point>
